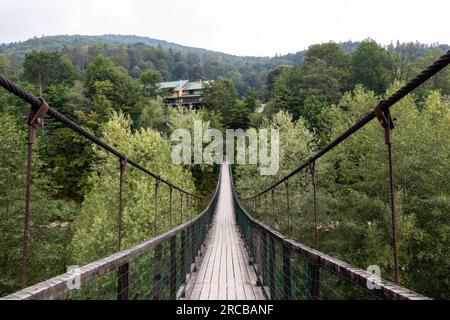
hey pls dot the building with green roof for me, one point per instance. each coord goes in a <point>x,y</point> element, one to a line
<point>183,92</point>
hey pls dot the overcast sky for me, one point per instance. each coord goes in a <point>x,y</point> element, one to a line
<point>243,27</point>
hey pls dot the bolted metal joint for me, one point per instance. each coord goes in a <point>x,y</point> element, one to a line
<point>35,119</point>
<point>386,121</point>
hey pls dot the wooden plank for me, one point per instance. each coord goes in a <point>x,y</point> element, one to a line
<point>206,283</point>
<point>238,278</point>
<point>231,285</point>
<point>200,275</point>
<point>224,273</point>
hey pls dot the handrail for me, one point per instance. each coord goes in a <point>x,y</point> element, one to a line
<point>57,287</point>
<point>39,109</point>
<point>384,290</point>
<point>382,113</point>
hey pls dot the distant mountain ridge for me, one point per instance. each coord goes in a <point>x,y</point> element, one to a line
<point>56,43</point>
<point>136,54</point>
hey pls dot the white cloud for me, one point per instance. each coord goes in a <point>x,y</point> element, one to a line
<point>244,27</point>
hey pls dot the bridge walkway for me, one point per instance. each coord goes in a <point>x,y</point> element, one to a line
<point>224,272</point>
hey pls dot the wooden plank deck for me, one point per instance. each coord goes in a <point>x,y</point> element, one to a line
<point>224,272</point>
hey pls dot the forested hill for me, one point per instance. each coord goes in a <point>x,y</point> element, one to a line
<point>174,61</point>
<point>57,43</point>
<point>139,54</point>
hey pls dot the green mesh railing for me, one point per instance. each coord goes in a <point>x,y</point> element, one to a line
<point>288,270</point>
<point>157,269</point>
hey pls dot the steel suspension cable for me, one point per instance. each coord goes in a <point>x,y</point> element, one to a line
<point>384,106</point>
<point>36,104</point>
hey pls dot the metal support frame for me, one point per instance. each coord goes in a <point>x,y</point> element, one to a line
<point>33,121</point>
<point>312,168</point>
<point>387,122</point>
<point>122,166</point>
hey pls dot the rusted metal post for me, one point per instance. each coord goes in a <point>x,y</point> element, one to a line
<point>181,207</point>
<point>156,208</point>
<point>261,259</point>
<point>273,207</point>
<point>170,208</point>
<point>26,221</point>
<point>197,205</point>
<point>259,205</point>
<point>187,207</point>
<point>193,245</point>
<point>173,268</point>
<point>122,166</point>
<point>123,274</point>
<point>272,262</point>
<point>288,202</point>
<point>393,216</point>
<point>387,122</point>
<point>312,168</point>
<point>264,257</point>
<point>266,211</point>
<point>33,121</point>
<point>157,277</point>
<point>123,282</point>
<point>183,256</point>
<point>287,273</point>
<point>314,280</point>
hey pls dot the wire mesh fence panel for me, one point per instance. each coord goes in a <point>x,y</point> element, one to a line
<point>142,272</point>
<point>332,287</point>
<point>290,270</point>
<point>102,288</point>
<point>301,279</point>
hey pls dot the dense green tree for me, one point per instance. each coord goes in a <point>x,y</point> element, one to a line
<point>272,78</point>
<point>12,105</point>
<point>256,120</point>
<point>93,51</point>
<point>324,75</point>
<point>96,225</point>
<point>150,80</point>
<point>283,96</point>
<point>5,64</point>
<point>221,96</point>
<point>66,156</point>
<point>251,100</point>
<point>44,69</point>
<point>404,59</point>
<point>197,73</point>
<point>372,66</point>
<point>329,52</point>
<point>153,115</point>
<point>239,115</point>
<point>296,143</point>
<point>205,176</point>
<point>50,219</point>
<point>419,140</point>
<point>180,71</point>
<point>354,204</point>
<point>440,81</point>
<point>121,90</point>
<point>318,119</point>
<point>120,57</point>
